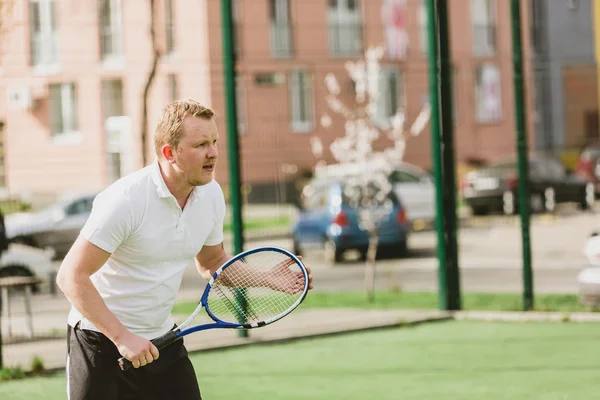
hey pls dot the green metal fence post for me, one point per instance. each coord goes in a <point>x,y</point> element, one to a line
<point>523,163</point>
<point>233,156</point>
<point>442,141</point>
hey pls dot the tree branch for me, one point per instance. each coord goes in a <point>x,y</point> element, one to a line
<point>156,54</point>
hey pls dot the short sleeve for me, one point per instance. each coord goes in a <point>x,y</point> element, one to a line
<point>216,236</point>
<point>110,222</point>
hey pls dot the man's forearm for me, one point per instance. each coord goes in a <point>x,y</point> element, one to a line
<point>86,299</point>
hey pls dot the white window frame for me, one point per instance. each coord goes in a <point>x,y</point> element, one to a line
<point>299,94</point>
<point>484,22</point>
<point>384,108</point>
<point>69,113</point>
<point>115,31</point>
<point>44,44</point>
<point>341,42</point>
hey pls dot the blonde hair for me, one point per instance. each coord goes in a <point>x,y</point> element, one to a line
<point>169,130</point>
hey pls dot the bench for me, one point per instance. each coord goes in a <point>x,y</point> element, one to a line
<point>13,283</point>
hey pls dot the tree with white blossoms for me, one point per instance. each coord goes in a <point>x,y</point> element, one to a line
<point>6,7</point>
<point>365,169</point>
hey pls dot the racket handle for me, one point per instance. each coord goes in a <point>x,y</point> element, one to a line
<point>160,343</point>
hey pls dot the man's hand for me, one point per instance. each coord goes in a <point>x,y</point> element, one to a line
<point>136,349</point>
<point>281,278</point>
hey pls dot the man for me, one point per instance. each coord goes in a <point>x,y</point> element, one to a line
<point>123,272</point>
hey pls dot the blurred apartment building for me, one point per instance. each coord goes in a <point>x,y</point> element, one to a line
<point>565,75</point>
<point>73,73</point>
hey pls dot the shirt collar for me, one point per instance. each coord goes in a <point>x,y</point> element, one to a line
<point>161,186</point>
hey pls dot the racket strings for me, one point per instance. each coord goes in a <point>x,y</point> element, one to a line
<point>242,312</point>
<point>250,290</point>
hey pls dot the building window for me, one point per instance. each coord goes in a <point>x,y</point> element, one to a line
<point>455,97</point>
<point>240,102</point>
<point>236,15</point>
<point>345,28</point>
<point>281,29</point>
<point>112,98</point>
<point>488,96</point>
<point>483,20</point>
<point>537,25</point>
<point>44,41</point>
<point>63,109</point>
<point>172,87</point>
<point>111,29</point>
<point>2,159</point>
<point>391,95</point>
<point>169,25</point>
<point>423,27</point>
<point>301,101</point>
<point>112,102</point>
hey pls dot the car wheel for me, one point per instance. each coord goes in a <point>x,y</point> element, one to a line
<point>480,210</point>
<point>400,249</point>
<point>17,270</point>
<point>536,203</point>
<point>333,255</point>
<point>589,197</point>
<point>297,250</point>
<point>24,240</point>
<point>549,200</point>
<point>508,203</point>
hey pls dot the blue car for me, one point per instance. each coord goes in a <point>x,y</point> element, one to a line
<point>327,220</point>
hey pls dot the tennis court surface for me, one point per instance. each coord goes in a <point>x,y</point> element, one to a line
<point>443,360</point>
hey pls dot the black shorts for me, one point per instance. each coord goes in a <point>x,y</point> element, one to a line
<point>93,372</point>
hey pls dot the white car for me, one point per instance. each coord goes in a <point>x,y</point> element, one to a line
<point>21,260</point>
<point>416,189</point>
<point>56,227</point>
<point>412,185</point>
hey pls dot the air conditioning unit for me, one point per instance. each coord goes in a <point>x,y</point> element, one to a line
<point>18,98</point>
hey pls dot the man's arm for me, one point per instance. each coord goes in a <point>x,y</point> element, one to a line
<point>210,258</point>
<point>73,278</point>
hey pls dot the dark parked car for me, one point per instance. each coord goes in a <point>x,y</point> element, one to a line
<point>327,220</point>
<point>495,187</point>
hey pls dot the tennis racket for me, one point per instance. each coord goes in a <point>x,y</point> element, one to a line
<point>253,289</point>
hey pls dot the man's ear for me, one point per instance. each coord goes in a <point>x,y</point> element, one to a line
<point>168,153</point>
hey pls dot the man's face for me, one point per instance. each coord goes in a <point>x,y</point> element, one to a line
<point>197,153</point>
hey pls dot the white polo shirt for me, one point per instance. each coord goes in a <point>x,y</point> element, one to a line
<point>152,241</point>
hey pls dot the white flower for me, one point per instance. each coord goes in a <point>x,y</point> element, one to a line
<point>332,84</point>
<point>317,146</point>
<point>326,121</point>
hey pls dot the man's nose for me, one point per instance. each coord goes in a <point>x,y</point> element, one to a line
<point>213,151</point>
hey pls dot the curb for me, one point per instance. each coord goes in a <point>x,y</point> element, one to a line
<point>526,316</point>
<point>398,324</point>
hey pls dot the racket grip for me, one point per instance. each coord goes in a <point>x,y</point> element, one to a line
<point>160,343</point>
